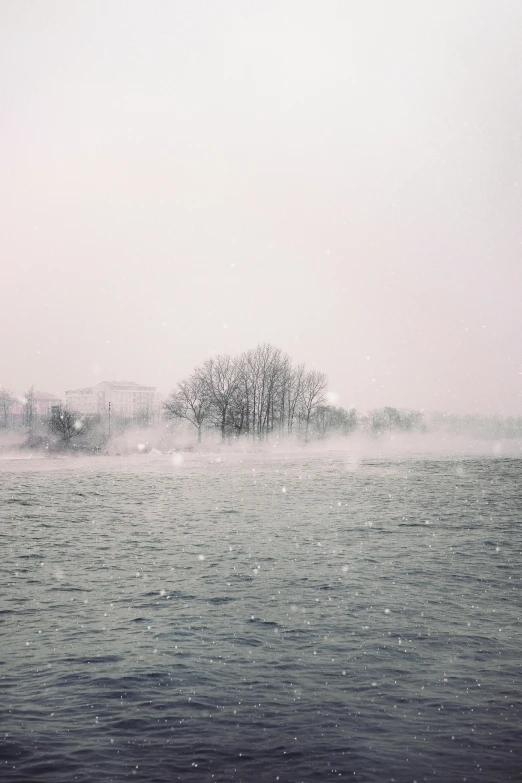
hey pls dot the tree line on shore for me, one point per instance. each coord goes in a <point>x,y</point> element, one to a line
<point>262,392</point>
<point>255,394</point>
<point>258,394</point>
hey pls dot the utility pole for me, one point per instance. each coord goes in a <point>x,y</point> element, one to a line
<point>109,419</point>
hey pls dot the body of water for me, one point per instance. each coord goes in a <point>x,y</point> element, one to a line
<point>260,618</point>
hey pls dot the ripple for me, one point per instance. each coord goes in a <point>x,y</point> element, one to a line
<point>382,652</point>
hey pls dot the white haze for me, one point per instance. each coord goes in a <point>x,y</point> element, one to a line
<point>177,451</point>
<point>341,179</point>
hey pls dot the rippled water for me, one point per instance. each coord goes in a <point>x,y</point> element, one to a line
<point>260,619</point>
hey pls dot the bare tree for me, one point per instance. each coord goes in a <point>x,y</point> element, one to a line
<point>6,403</point>
<point>190,402</point>
<point>263,372</point>
<point>220,377</point>
<point>295,392</point>
<point>245,395</point>
<point>30,409</point>
<point>66,424</point>
<point>251,374</point>
<point>274,375</point>
<point>284,390</point>
<point>312,394</point>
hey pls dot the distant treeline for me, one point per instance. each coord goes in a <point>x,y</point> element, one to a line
<point>261,392</point>
<point>477,426</point>
<point>257,394</point>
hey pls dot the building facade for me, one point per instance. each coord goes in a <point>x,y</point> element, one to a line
<point>32,407</point>
<point>127,400</point>
<point>45,402</point>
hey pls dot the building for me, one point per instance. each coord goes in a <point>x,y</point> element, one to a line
<point>82,401</point>
<point>44,403</point>
<point>127,400</point>
<point>33,406</point>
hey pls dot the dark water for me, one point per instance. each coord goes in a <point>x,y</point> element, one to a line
<point>198,623</point>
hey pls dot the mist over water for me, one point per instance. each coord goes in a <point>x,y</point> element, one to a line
<point>160,446</point>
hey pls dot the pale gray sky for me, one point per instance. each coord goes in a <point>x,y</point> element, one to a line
<point>342,179</point>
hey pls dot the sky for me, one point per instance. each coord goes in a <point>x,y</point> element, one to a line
<point>341,179</point>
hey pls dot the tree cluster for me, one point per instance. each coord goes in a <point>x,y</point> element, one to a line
<point>6,403</point>
<point>329,420</point>
<point>257,393</point>
<point>66,425</point>
<point>477,426</point>
<point>66,430</point>
<point>389,419</point>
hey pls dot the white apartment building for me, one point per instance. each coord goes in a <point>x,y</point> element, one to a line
<point>127,399</point>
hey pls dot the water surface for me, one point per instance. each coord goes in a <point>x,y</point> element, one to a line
<point>258,618</point>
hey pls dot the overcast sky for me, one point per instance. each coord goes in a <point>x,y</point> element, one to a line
<point>341,179</point>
